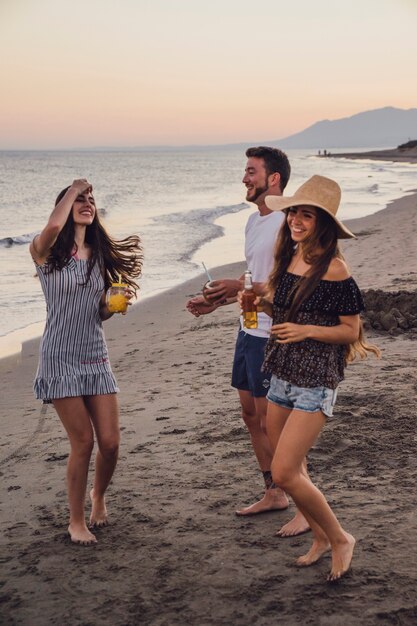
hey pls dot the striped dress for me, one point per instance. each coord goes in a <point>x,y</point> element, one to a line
<point>73,357</point>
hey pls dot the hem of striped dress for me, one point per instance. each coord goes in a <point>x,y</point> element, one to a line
<point>58,387</point>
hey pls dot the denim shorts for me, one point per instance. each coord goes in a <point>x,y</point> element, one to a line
<point>247,365</point>
<point>306,399</point>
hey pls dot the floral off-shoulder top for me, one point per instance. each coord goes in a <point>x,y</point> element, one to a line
<point>312,363</point>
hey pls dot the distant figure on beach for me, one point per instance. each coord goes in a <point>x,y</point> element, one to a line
<point>267,172</point>
<point>316,330</point>
<point>76,261</point>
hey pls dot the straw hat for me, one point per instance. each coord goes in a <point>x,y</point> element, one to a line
<point>317,191</point>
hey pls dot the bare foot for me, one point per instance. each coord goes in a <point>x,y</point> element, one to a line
<point>318,548</point>
<point>273,500</point>
<point>80,535</point>
<point>98,517</point>
<point>297,526</point>
<point>341,558</point>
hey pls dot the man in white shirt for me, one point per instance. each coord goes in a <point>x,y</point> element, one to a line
<point>267,172</point>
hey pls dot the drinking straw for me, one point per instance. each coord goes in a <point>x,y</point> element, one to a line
<point>207,272</point>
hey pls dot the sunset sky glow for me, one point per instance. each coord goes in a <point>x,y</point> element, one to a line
<point>79,73</point>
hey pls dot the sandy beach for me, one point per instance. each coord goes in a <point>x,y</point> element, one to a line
<point>174,552</point>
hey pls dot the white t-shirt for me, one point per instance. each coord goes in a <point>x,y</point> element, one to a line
<point>260,236</point>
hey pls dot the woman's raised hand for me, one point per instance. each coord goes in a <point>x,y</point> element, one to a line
<point>81,185</point>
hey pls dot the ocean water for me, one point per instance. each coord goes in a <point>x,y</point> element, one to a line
<point>187,205</point>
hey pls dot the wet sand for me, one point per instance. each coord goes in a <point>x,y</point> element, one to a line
<point>174,551</point>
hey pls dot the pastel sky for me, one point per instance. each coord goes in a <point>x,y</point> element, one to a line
<point>78,73</point>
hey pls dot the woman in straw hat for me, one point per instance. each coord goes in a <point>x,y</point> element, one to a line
<point>315,306</point>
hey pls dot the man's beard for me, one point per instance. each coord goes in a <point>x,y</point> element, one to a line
<point>258,191</point>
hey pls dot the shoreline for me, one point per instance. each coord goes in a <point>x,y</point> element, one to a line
<point>174,550</point>
<point>404,155</point>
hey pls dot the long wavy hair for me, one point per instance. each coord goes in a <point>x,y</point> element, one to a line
<point>116,258</point>
<point>318,251</point>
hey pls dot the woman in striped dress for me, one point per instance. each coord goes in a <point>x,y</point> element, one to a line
<point>76,260</point>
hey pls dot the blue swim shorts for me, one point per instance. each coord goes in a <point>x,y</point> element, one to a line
<point>307,399</point>
<point>247,364</point>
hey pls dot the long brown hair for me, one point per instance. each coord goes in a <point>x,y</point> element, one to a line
<point>360,348</point>
<point>115,257</point>
<point>318,251</point>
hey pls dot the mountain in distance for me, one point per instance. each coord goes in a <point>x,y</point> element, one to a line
<point>379,128</point>
<point>384,127</point>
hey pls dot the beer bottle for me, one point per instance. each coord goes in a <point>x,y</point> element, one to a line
<point>249,312</point>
